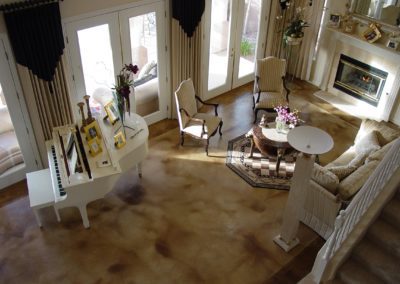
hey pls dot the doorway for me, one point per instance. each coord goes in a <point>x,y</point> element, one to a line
<point>237,34</point>
<point>18,149</point>
<point>100,46</point>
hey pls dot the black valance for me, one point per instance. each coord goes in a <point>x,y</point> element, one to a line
<point>188,13</point>
<point>36,38</point>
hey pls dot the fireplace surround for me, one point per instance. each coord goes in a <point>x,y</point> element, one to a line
<point>360,80</point>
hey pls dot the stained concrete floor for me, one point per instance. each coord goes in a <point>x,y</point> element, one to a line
<point>190,219</point>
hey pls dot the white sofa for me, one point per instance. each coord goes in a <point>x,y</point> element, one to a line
<point>333,186</point>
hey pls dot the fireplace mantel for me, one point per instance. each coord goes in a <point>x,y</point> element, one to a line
<point>353,45</point>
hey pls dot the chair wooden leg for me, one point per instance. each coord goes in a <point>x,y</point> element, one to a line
<point>182,138</point>
<point>220,127</point>
<point>254,102</point>
<point>255,115</point>
<point>207,143</point>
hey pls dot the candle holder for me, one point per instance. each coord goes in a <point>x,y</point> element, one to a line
<point>90,118</point>
<point>80,105</point>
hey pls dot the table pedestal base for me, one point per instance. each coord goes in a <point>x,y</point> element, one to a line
<point>286,246</point>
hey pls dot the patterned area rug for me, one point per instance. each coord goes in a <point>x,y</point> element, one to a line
<point>259,171</point>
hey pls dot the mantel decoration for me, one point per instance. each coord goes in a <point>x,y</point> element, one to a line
<point>286,120</point>
<point>373,33</point>
<point>123,89</point>
<point>294,33</point>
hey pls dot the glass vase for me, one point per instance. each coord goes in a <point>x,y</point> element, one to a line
<point>281,126</point>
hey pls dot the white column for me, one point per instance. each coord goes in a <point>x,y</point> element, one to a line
<point>300,180</point>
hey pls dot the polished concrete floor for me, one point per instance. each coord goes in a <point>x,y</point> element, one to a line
<point>190,219</point>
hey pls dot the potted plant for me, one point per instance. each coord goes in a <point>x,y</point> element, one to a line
<point>286,119</point>
<point>294,31</point>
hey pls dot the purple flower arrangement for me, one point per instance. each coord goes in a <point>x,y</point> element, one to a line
<point>122,88</point>
<point>284,115</point>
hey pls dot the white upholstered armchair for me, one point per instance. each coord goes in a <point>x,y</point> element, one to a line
<point>198,125</point>
<point>270,89</point>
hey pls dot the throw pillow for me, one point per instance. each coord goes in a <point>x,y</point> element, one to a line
<point>386,131</point>
<point>342,171</point>
<point>146,69</point>
<point>352,184</point>
<point>378,155</point>
<point>368,144</point>
<point>325,178</point>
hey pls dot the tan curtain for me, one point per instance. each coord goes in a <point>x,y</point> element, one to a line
<point>53,105</point>
<point>313,16</point>
<point>299,57</point>
<point>186,58</point>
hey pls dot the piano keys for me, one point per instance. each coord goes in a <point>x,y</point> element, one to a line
<point>76,178</point>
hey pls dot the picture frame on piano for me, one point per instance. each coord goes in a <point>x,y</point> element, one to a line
<point>111,111</point>
<point>92,130</point>
<point>119,139</point>
<point>94,147</point>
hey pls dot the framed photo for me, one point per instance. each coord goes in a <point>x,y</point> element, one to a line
<point>92,130</point>
<point>94,147</point>
<point>334,20</point>
<point>119,139</point>
<point>372,34</point>
<point>112,112</point>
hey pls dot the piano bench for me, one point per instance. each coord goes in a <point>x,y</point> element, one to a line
<point>41,193</point>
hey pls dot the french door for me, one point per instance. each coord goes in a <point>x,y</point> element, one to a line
<point>19,154</point>
<point>99,47</point>
<point>237,34</point>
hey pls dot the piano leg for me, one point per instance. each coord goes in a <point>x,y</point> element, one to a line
<point>57,214</point>
<point>139,169</point>
<point>85,219</point>
<point>35,211</point>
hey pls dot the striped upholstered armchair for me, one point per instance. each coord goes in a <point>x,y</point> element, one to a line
<point>269,87</point>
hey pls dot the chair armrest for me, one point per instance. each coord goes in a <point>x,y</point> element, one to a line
<point>286,88</point>
<point>208,104</point>
<point>324,192</point>
<point>258,89</point>
<point>202,121</point>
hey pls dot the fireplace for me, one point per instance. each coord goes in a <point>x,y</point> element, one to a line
<point>360,80</point>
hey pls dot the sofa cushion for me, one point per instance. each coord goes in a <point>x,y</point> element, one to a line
<point>368,144</point>
<point>325,178</point>
<point>342,171</point>
<point>378,155</point>
<point>386,131</point>
<point>352,184</point>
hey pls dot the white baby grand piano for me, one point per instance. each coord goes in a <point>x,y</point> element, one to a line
<point>75,178</point>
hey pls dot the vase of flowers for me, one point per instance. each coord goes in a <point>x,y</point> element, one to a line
<point>285,119</point>
<point>123,88</point>
<point>294,33</point>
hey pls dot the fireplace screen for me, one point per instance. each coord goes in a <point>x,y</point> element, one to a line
<point>360,80</point>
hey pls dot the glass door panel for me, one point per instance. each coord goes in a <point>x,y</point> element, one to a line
<point>248,42</point>
<point>219,54</point>
<point>143,40</point>
<point>96,57</point>
<point>237,38</point>
<point>143,43</point>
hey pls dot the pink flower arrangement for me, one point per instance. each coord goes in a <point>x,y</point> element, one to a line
<point>284,115</point>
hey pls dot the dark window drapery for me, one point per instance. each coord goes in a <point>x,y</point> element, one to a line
<point>36,38</point>
<point>188,14</point>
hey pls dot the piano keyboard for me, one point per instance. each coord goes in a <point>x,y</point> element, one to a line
<point>57,185</point>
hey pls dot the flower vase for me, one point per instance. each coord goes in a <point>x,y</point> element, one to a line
<point>281,126</point>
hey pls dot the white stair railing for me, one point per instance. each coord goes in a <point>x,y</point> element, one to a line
<point>348,218</point>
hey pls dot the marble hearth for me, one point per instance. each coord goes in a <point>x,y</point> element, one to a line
<point>374,55</point>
